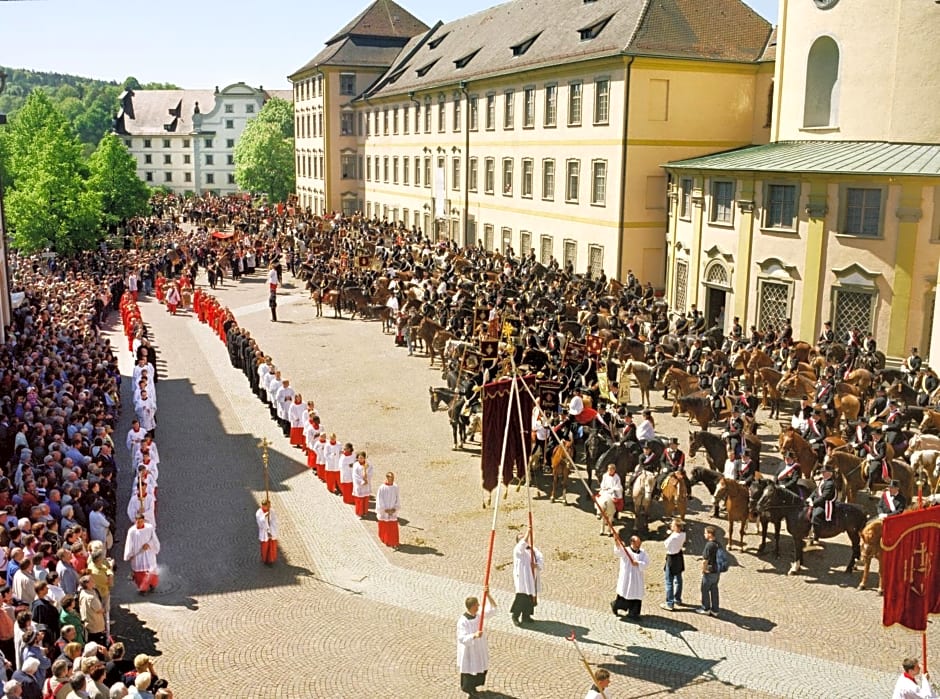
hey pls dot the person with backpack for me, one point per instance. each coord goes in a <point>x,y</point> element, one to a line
<point>714,558</point>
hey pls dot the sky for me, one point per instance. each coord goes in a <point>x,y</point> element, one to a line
<point>195,43</point>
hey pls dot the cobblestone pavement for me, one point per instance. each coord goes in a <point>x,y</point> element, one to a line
<point>341,614</point>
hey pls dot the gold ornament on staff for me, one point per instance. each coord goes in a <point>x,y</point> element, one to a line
<point>264,444</point>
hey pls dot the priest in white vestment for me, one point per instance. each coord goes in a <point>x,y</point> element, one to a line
<point>141,548</point>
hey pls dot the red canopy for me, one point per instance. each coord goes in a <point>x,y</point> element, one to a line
<point>222,235</point>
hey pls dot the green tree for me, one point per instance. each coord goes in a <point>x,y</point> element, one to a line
<point>264,155</point>
<point>49,203</point>
<point>114,177</point>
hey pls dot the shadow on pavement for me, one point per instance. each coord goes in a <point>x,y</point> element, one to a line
<point>650,665</point>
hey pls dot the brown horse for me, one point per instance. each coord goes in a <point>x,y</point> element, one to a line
<point>931,421</point>
<point>768,379</point>
<point>698,406</point>
<point>852,469</point>
<point>861,379</point>
<point>561,468</point>
<point>846,405</point>
<point>675,494</point>
<point>757,359</point>
<point>871,549</point>
<point>736,497</point>
<point>802,351</point>
<point>681,382</point>
<point>790,440</point>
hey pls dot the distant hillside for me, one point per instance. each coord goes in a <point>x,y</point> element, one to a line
<point>88,103</point>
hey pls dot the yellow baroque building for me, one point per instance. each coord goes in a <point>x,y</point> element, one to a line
<point>838,217</point>
<point>533,125</point>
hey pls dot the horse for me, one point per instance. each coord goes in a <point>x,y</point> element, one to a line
<point>925,463</point>
<point>852,469</point>
<point>597,443</point>
<point>698,406</point>
<point>606,511</point>
<point>458,421</point>
<point>845,518</point>
<point>862,379</point>
<point>736,499</point>
<point>675,495</point>
<point>769,379</point>
<point>642,493</point>
<point>441,395</point>
<point>766,518</point>
<point>931,421</point>
<point>561,468</point>
<point>643,373</point>
<point>922,441</point>
<point>871,549</point>
<point>709,478</point>
<point>681,382</point>
<point>427,331</point>
<point>790,440</point>
<point>846,405</point>
<point>716,450</point>
<point>757,360</point>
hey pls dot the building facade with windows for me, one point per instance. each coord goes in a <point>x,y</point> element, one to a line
<point>838,218</point>
<point>185,139</point>
<point>329,131</point>
<point>544,126</point>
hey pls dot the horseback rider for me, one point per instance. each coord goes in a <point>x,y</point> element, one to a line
<point>789,476</point>
<point>698,323</point>
<point>747,470</point>
<point>879,407</point>
<point>734,435</point>
<point>815,434</point>
<point>695,357</point>
<point>911,366</point>
<point>928,384</point>
<point>892,425</point>
<point>876,460</point>
<point>826,396</point>
<point>648,459</point>
<point>755,338</point>
<point>892,501</point>
<point>629,438</point>
<point>861,437</point>
<point>826,338</point>
<point>823,499</point>
<point>719,384</point>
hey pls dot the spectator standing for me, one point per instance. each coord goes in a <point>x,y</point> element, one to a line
<point>710,575</point>
<point>675,565</point>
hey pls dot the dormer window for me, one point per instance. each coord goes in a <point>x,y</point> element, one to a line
<point>434,43</point>
<point>462,62</point>
<point>424,69</point>
<point>524,46</point>
<point>591,32</point>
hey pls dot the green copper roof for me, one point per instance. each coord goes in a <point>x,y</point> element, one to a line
<point>845,157</point>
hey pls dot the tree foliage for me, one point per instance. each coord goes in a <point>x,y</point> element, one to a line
<point>114,177</point>
<point>87,103</point>
<point>50,203</point>
<point>264,154</point>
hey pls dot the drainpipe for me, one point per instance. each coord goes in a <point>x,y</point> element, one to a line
<point>466,161</point>
<point>623,164</point>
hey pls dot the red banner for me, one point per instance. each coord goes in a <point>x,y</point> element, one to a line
<point>497,410</point>
<point>910,571</point>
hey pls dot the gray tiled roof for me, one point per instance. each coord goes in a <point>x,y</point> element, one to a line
<point>383,18</point>
<point>829,157</point>
<point>151,110</point>
<point>373,38</point>
<point>726,30</point>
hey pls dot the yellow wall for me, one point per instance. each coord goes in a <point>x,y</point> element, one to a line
<point>888,57</point>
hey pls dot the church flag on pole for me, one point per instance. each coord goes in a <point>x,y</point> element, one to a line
<point>497,409</point>
<point>910,544</point>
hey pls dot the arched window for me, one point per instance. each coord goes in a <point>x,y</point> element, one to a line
<point>822,83</point>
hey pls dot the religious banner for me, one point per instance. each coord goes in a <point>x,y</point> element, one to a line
<point>574,352</point>
<point>365,260</point>
<point>490,350</point>
<point>472,361</point>
<point>500,415</point>
<point>594,345</point>
<point>549,394</point>
<point>480,317</point>
<point>910,544</point>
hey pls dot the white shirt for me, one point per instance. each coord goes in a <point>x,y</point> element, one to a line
<point>630,584</point>
<point>674,543</point>
<point>522,577</point>
<point>362,480</point>
<point>346,462</point>
<point>575,405</point>
<point>612,484</point>
<point>473,654</point>
<point>908,689</point>
<point>387,498</point>
<point>731,467</point>
<point>645,431</point>
<point>141,560</point>
<point>267,525</point>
